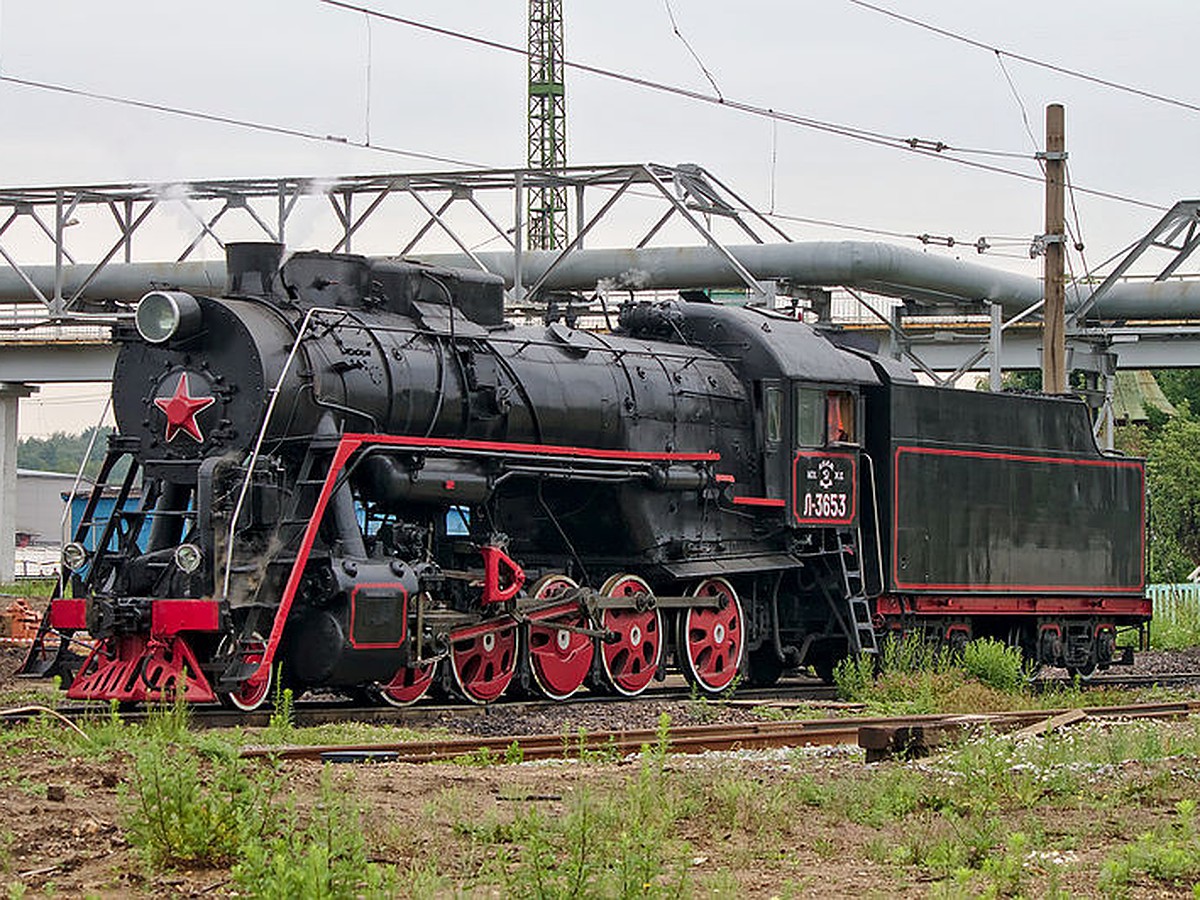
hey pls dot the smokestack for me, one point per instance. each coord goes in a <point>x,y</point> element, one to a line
<point>252,268</point>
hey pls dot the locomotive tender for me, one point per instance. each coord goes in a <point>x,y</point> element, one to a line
<point>356,474</point>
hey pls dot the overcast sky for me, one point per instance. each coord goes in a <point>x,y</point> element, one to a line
<point>302,64</point>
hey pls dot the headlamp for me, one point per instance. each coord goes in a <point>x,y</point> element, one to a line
<point>163,315</point>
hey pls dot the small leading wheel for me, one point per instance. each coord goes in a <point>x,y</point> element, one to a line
<point>484,661</point>
<point>710,642</point>
<point>559,659</point>
<point>631,661</point>
<point>409,685</point>
<point>249,697</point>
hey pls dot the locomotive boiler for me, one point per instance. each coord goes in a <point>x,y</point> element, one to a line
<point>355,473</point>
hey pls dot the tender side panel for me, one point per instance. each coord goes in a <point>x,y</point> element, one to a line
<point>1014,522</point>
<point>1002,493</point>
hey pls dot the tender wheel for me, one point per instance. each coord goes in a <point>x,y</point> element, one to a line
<point>631,661</point>
<point>408,686</point>
<point>559,659</point>
<point>250,697</point>
<point>711,642</point>
<point>484,662</point>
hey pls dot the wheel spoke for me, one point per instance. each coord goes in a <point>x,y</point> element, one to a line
<point>250,697</point>
<point>409,685</point>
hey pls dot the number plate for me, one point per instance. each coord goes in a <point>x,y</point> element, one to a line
<point>825,489</point>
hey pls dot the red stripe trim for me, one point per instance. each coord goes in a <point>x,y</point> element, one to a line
<point>345,448</point>
<point>350,443</point>
<point>724,479</point>
<point>1021,457</point>
<point>891,605</point>
<point>759,501</point>
<point>392,440</point>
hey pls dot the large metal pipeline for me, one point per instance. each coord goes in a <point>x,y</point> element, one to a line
<point>881,268</point>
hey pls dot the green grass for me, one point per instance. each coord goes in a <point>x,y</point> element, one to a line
<point>975,820</point>
<point>33,587</point>
<point>1169,855</point>
<point>912,677</point>
<point>1180,632</point>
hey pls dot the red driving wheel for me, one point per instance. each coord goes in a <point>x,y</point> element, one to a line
<point>711,642</point>
<point>631,661</point>
<point>559,658</point>
<point>484,660</point>
<point>250,697</point>
<point>408,686</point>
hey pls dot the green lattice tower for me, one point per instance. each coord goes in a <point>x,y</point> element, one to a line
<point>547,226</point>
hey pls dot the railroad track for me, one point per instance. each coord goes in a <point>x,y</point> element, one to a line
<point>1111,679</point>
<point>692,739</point>
<point>326,711</point>
<point>312,712</point>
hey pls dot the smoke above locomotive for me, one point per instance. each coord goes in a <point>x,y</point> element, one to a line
<point>358,474</point>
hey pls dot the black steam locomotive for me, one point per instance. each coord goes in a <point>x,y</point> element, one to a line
<point>354,473</point>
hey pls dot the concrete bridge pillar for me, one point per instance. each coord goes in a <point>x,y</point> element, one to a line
<point>10,398</point>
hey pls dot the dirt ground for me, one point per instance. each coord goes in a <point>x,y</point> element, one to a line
<point>62,834</point>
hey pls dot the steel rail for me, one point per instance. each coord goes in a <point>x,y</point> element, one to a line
<point>693,739</point>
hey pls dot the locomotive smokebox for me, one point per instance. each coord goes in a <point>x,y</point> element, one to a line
<point>252,268</point>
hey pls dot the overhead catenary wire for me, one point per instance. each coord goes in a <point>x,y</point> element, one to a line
<point>934,149</point>
<point>924,147</point>
<point>1030,60</point>
<point>691,50</point>
<point>218,118</point>
<point>292,132</point>
<point>313,136</point>
<point>1076,235</point>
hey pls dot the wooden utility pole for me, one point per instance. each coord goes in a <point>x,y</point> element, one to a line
<point>1054,345</point>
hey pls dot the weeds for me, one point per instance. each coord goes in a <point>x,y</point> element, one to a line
<point>913,676</point>
<point>1169,854</point>
<point>282,724</point>
<point>577,745</point>
<point>996,664</point>
<point>326,858</point>
<point>177,814</point>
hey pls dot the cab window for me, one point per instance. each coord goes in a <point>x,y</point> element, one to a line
<point>841,417</point>
<point>774,413</point>
<point>825,417</point>
<point>810,417</point>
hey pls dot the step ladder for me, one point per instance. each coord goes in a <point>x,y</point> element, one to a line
<point>860,630</point>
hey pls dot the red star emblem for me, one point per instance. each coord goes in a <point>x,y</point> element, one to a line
<point>181,408</point>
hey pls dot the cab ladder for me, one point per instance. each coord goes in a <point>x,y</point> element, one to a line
<point>861,630</point>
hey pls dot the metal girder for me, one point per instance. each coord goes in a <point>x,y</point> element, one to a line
<point>1143,346</point>
<point>410,211</point>
<point>1176,232</point>
<point>56,361</point>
